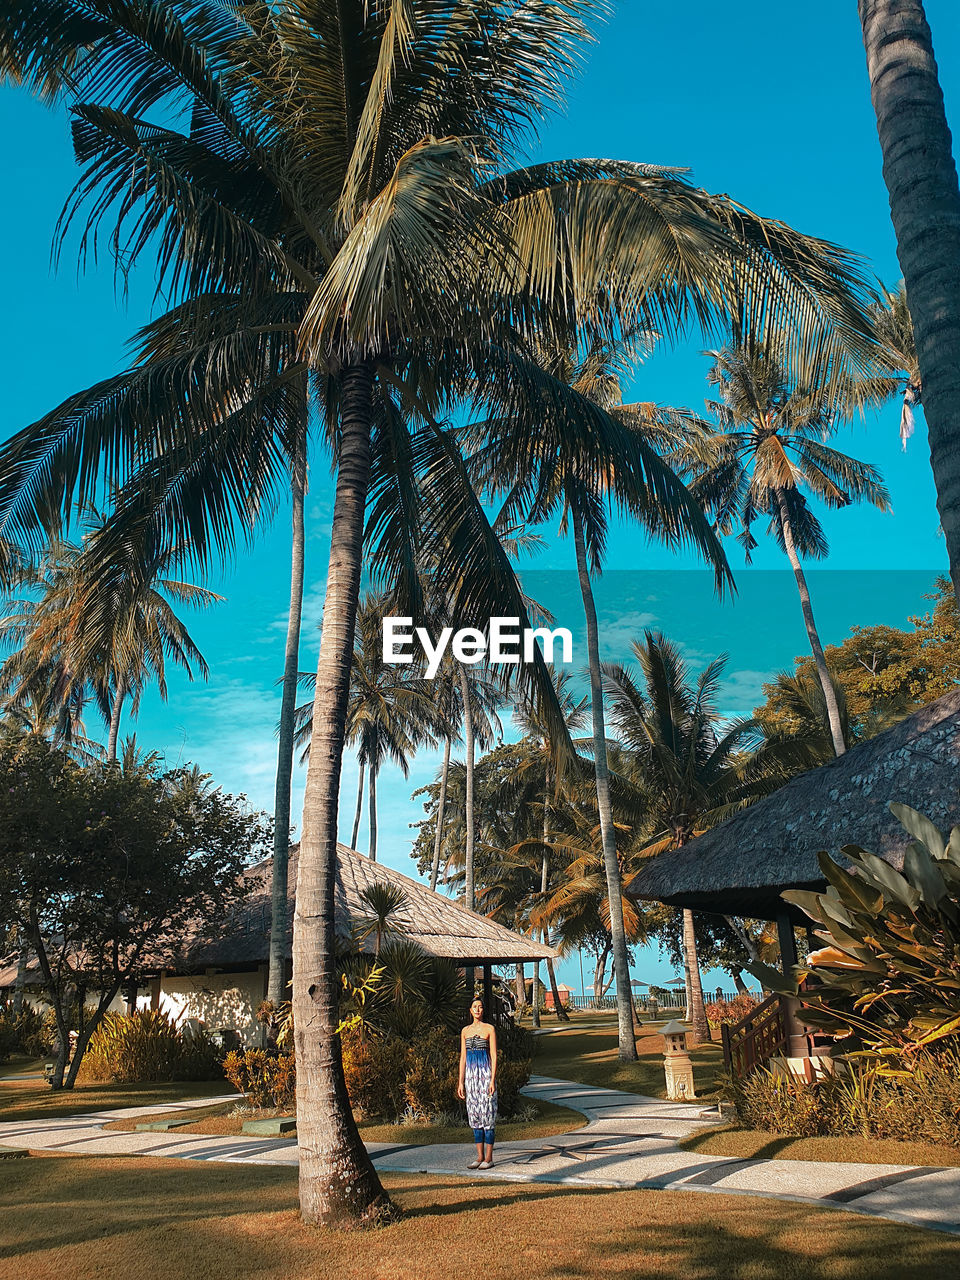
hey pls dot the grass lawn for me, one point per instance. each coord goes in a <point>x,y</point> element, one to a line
<point>549,1120</point>
<point>86,1217</point>
<point>751,1144</point>
<point>589,1056</point>
<point>35,1100</point>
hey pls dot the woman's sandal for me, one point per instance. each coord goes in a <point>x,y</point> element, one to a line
<point>475,1164</point>
<point>485,1164</point>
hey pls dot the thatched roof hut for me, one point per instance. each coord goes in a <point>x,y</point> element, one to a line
<point>441,926</point>
<point>742,866</point>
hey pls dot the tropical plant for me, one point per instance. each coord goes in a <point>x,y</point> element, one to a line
<point>338,199</point>
<point>383,899</point>
<point>887,972</point>
<point>148,1045</point>
<point>697,769</point>
<point>921,178</point>
<point>769,447</point>
<point>267,1080</point>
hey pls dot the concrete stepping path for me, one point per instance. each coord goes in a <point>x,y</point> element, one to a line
<point>630,1142</point>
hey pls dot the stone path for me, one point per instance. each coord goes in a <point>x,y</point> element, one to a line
<point>630,1142</point>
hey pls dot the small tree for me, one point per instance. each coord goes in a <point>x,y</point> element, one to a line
<point>103,868</point>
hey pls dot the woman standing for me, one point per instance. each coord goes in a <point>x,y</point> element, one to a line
<point>478,1083</point>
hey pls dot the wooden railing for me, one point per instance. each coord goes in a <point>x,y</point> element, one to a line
<point>755,1039</point>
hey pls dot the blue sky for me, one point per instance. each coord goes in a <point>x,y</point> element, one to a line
<point>767,102</point>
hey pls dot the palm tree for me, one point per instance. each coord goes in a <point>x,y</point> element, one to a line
<point>72,638</point>
<point>899,370</point>
<point>392,709</point>
<point>769,447</point>
<point>529,721</point>
<point>696,769</point>
<point>618,464</point>
<point>921,178</point>
<point>337,209</point>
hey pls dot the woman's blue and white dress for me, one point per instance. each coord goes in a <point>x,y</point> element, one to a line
<point>481,1103</point>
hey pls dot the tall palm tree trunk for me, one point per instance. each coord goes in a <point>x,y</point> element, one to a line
<point>816,648</point>
<point>558,1009</point>
<point>116,708</point>
<point>372,809</point>
<point>618,937</point>
<point>338,1183</point>
<point>469,747</point>
<point>921,178</point>
<point>359,811</point>
<point>276,972</point>
<point>441,807</point>
<point>697,1011</point>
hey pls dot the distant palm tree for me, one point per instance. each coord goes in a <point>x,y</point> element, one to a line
<point>696,768</point>
<point>897,357</point>
<point>769,447</point>
<point>392,709</point>
<point>921,177</point>
<point>621,460</point>
<point>72,637</point>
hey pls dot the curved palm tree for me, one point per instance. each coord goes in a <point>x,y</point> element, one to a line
<point>921,177</point>
<point>696,769</point>
<point>332,203</point>
<point>768,449</point>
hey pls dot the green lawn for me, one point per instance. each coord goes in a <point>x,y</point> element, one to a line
<point>589,1056</point>
<point>128,1219</point>
<point>752,1144</point>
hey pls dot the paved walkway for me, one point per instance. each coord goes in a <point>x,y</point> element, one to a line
<point>629,1142</point>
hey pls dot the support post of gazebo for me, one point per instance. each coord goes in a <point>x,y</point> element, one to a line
<point>488,992</point>
<point>798,1045</point>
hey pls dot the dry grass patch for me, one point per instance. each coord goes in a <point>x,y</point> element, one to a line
<point>218,1122</point>
<point>589,1056</point>
<point>753,1144</point>
<point>125,1218</point>
<point>35,1100</point>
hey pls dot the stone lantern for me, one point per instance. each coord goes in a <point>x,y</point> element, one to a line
<point>677,1067</point>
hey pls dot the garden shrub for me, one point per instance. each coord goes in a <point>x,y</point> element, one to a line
<point>375,1069</point>
<point>731,1011</point>
<point>431,1080</point>
<point>9,1040</point>
<point>33,1033</point>
<point>267,1079</point>
<point>915,1100</point>
<point>515,1053</point>
<point>148,1046</point>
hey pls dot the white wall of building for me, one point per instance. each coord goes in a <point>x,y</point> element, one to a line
<point>217,1001</point>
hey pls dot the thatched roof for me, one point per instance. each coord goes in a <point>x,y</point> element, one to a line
<point>742,866</point>
<point>441,926</point>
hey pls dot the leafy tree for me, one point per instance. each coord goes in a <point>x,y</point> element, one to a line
<point>881,674</point>
<point>899,370</point>
<point>103,868</point>
<point>769,447</point>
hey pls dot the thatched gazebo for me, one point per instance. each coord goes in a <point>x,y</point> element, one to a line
<point>742,866</point>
